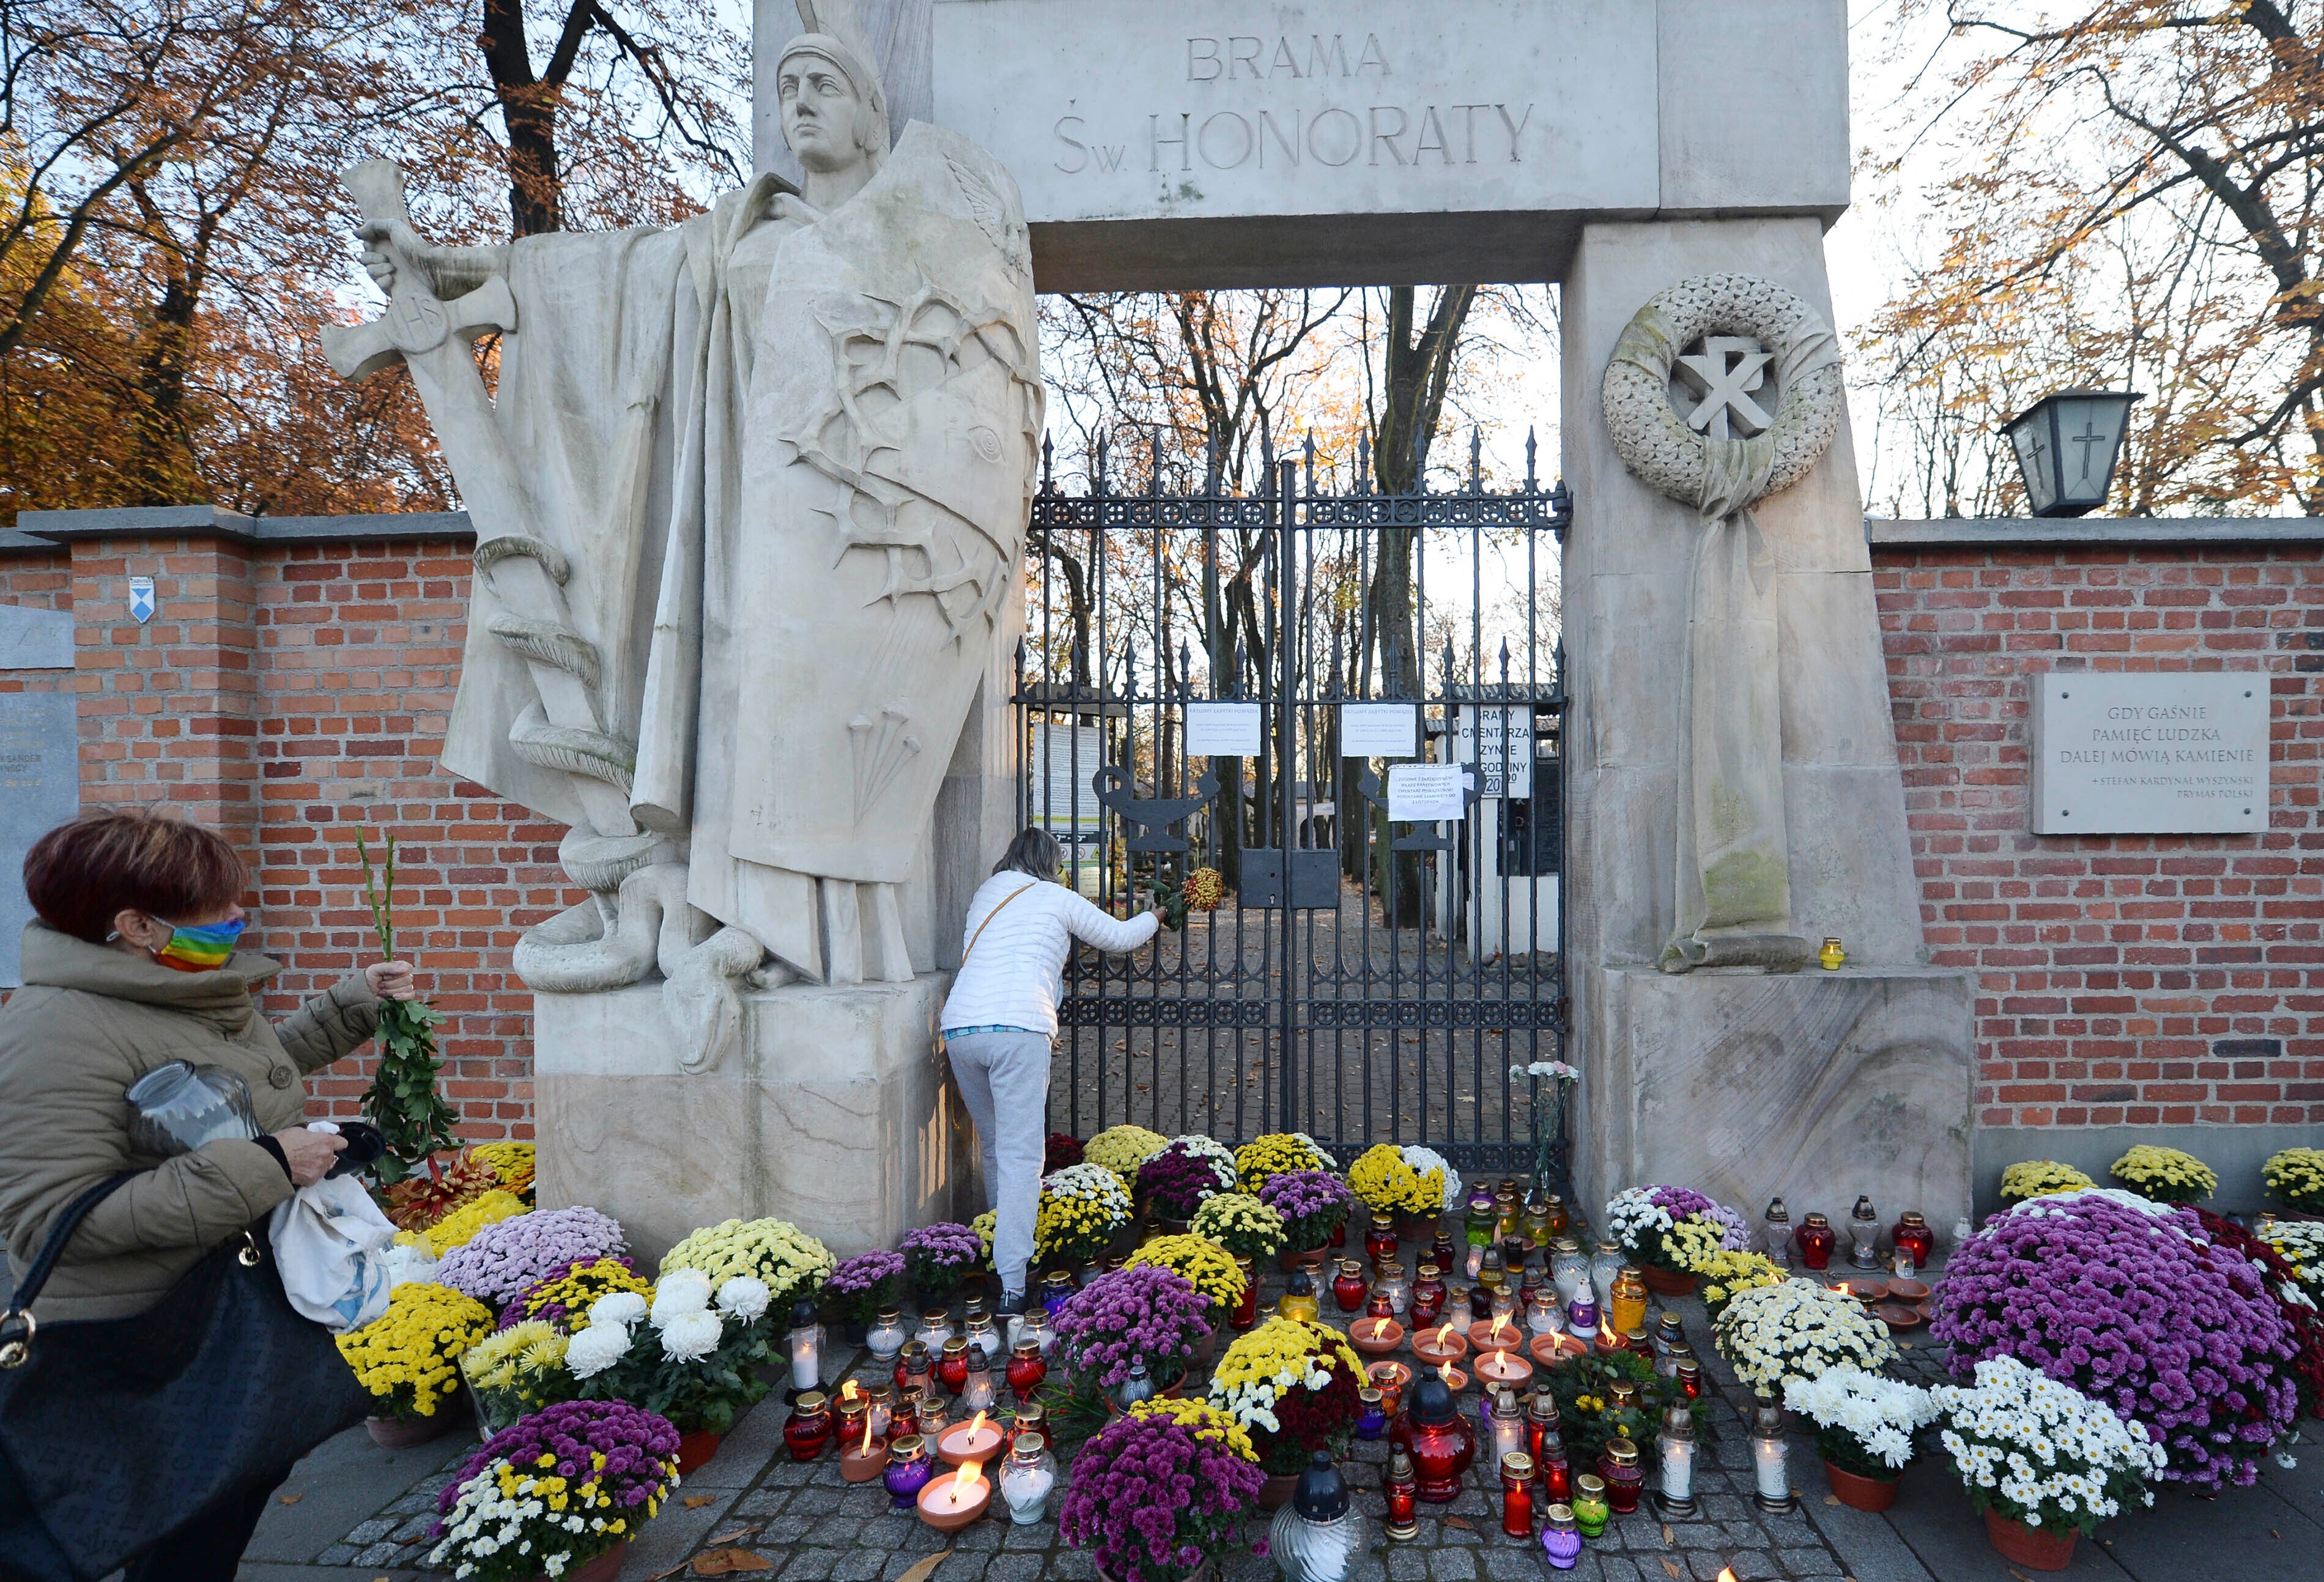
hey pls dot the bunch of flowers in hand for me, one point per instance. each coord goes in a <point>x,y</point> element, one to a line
<point>2040,1452</point>
<point>565,1299</point>
<point>2296,1177</point>
<point>1674,1228</point>
<point>1242,1225</point>
<point>1864,1423</point>
<point>862,1285</point>
<point>698,1367</point>
<point>2133,1306</point>
<point>1292,1384</point>
<point>501,1261</point>
<point>2300,1244</point>
<point>408,1357</point>
<point>462,1224</point>
<point>2165,1175</point>
<point>1427,1163</point>
<point>2298,1310</point>
<point>515,1371</point>
<point>1176,1181</point>
<point>1264,1158</point>
<point>1084,1207</point>
<point>1158,1494</point>
<point>554,1491</point>
<point>939,1256</point>
<point>1312,1204</point>
<point>1798,1329</point>
<point>2038,1177</point>
<point>1129,1313</point>
<point>1123,1149</point>
<point>1726,1275</point>
<point>1061,1149</point>
<point>791,1262</point>
<point>1202,1263</point>
<point>1388,1184</point>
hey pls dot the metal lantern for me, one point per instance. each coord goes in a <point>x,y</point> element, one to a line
<point>2066,447</point>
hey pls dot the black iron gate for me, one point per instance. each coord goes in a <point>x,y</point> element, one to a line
<point>1198,690</point>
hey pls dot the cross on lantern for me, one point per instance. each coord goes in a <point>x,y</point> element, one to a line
<point>1723,375</point>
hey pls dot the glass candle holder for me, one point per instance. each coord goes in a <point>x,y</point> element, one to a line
<point>1298,1300</point>
<point>1504,1423</point>
<point>1541,1316</point>
<point>1626,1476</point>
<point>1371,1414</point>
<point>1864,1232</point>
<point>1674,1450</point>
<point>880,1404</point>
<point>1027,1369</point>
<point>887,1335</point>
<point>1246,1313</point>
<point>951,1371</point>
<point>805,1347</point>
<point>1912,1234</point>
<point>1590,1509</point>
<point>1379,1239</point>
<point>1459,1311</point>
<point>1057,1287</point>
<point>1517,1495</point>
<point>931,1415</point>
<point>982,1336</point>
<point>1395,1287</point>
<point>1506,1212</point>
<point>1771,1477</point>
<point>1554,1466</point>
<point>1427,1296</point>
<point>1775,1226</point>
<point>807,1430</point>
<point>1569,1269</point>
<point>1349,1286</point>
<point>1479,1220</point>
<point>1025,1479</point>
<point>1401,1488</point>
<point>1605,1263</point>
<point>1034,1326</point>
<point>908,1471</point>
<point>1560,1221</point>
<point>1625,1308</point>
<point>913,1369</point>
<point>1687,1373</point>
<point>1561,1537</point>
<point>1441,1253</point>
<point>1502,1308</point>
<point>1581,1314</point>
<point>1534,1226</point>
<point>1032,1418</point>
<point>1816,1242</point>
<point>1438,1437</point>
<point>935,1328</point>
<point>1139,1386</point>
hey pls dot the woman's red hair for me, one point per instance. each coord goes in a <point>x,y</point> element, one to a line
<point>79,874</point>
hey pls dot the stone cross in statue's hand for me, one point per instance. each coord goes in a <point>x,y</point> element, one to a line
<point>417,324</point>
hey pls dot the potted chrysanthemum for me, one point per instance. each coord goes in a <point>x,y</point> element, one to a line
<point>1292,1385</point>
<point>409,1358</point>
<point>558,1494</point>
<point>1176,1181</point>
<point>1386,1182</point>
<point>790,1262</point>
<point>1082,1207</point>
<point>563,1299</point>
<point>1314,1205</point>
<point>1205,1265</point>
<point>1241,1223</point>
<point>2042,1460</point>
<point>1798,1329</point>
<point>939,1257</point>
<point>1160,1494</point>
<point>692,1359</point>
<point>2165,1175</point>
<point>1123,1149</point>
<point>1668,1231</point>
<point>517,1370</point>
<point>503,1260</point>
<point>860,1286</point>
<point>2296,1177</point>
<point>1130,1321</point>
<point>1865,1426</point>
<point>1275,1153</point>
<point>2038,1177</point>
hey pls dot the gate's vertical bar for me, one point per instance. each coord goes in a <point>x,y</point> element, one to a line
<point>1288,716</point>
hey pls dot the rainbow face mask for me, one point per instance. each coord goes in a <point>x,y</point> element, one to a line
<point>200,949</point>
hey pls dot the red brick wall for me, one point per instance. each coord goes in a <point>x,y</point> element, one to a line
<point>291,698</point>
<point>2126,980</point>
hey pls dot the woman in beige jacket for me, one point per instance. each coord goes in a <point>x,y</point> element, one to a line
<point>129,966</point>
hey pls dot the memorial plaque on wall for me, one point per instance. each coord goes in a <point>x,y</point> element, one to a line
<point>2150,753</point>
<point>40,788</point>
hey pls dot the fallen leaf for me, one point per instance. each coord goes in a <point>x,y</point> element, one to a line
<point>1671,1566</point>
<point>696,1501</point>
<point>1666,1535</point>
<point>291,1498</point>
<point>2021,1575</point>
<point>1832,1499</point>
<point>726,1562</point>
<point>1459,1522</point>
<point>922,1570</point>
<point>737,1536</point>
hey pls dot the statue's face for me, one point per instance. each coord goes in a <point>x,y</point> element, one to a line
<point>821,110</point>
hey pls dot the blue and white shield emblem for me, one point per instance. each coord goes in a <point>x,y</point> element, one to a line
<point>141,598</point>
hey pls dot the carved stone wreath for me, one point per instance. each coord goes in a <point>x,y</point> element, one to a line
<point>1720,476</point>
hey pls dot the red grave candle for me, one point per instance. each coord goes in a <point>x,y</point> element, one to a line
<point>808,1428</point>
<point>1441,1442</point>
<point>954,1369</point>
<point>1348,1286</point>
<point>1914,1235</point>
<point>1815,1241</point>
<point>1025,1370</point>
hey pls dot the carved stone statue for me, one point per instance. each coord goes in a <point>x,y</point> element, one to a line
<point>749,507</point>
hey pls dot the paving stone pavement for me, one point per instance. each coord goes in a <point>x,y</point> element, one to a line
<point>360,1513</point>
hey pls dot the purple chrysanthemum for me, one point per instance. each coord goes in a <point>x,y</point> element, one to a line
<point>503,1259</point>
<point>1141,1311</point>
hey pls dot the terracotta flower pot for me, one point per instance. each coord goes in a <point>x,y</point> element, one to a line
<point>390,1433</point>
<point>1665,1282</point>
<point>1861,1493</point>
<point>1310,1259</point>
<point>1276,1491</point>
<point>1166,1226</point>
<point>2036,1548</point>
<point>696,1449</point>
<point>606,1568</point>
<point>1207,1352</point>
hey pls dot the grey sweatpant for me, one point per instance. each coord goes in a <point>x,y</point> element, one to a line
<point>1004,1080</point>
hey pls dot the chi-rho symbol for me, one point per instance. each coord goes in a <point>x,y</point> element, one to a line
<point>1723,375</point>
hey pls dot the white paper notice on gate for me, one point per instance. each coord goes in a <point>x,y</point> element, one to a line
<point>1230,730</point>
<point>1422,793</point>
<point>1379,730</point>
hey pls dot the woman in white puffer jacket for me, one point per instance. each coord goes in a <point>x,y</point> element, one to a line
<point>1001,1017</point>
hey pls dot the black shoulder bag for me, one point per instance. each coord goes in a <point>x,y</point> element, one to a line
<point>114,1433</point>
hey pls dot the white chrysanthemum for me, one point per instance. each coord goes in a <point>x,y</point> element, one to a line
<point>1423,1160</point>
<point>745,1296</point>
<point>595,1349</point>
<point>620,1306</point>
<point>689,1336</point>
<point>680,1294</point>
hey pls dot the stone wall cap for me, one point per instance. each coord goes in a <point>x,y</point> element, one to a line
<point>47,528</point>
<point>2097,531</point>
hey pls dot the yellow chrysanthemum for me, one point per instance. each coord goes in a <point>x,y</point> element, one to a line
<point>512,1163</point>
<point>1207,1421</point>
<point>1207,1266</point>
<point>1277,1154</point>
<point>1123,1149</point>
<point>579,1287</point>
<point>1383,1181</point>
<point>2296,1175</point>
<point>458,1228</point>
<point>792,1263</point>
<point>2039,1177</point>
<point>2166,1175</point>
<point>410,1355</point>
<point>1242,1225</point>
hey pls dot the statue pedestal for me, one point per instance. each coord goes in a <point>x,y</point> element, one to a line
<point>1815,1085</point>
<point>834,1114</point>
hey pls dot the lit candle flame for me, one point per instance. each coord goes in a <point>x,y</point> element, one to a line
<point>1726,1574</point>
<point>1500,1325</point>
<point>867,1437</point>
<point>962,1479</point>
<point>1444,1371</point>
<point>975,1427</point>
<point>1606,1337</point>
<point>847,1391</point>
<point>1441,1342</point>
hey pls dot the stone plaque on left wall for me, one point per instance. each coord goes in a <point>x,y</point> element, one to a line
<point>40,788</point>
